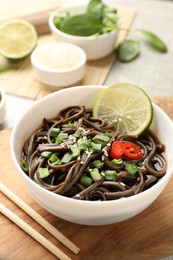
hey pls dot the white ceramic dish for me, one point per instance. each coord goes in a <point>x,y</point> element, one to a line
<point>95,47</point>
<point>2,105</point>
<point>87,212</point>
<point>58,64</point>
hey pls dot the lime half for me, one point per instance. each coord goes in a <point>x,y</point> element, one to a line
<point>17,38</point>
<point>125,105</point>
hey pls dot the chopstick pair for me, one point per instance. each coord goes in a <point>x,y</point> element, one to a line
<point>32,232</point>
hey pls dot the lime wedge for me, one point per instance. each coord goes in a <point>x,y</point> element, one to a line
<point>17,38</point>
<point>125,105</point>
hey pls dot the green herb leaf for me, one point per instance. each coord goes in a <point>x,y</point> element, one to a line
<point>5,68</point>
<point>128,50</point>
<point>81,25</point>
<point>107,14</point>
<point>154,40</point>
<point>95,7</point>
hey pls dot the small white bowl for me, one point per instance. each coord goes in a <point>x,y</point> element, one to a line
<point>2,105</point>
<point>95,47</point>
<point>58,64</point>
<point>79,211</point>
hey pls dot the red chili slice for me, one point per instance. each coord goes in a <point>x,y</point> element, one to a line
<point>117,150</point>
<point>132,151</point>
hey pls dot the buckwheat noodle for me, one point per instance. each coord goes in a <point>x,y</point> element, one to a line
<point>64,178</point>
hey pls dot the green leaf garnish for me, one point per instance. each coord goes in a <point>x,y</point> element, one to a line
<point>81,25</point>
<point>128,50</point>
<point>154,40</point>
<point>5,68</point>
<point>98,19</point>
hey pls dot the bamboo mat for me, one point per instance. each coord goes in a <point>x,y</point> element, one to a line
<point>22,82</point>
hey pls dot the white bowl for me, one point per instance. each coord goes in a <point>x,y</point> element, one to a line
<point>77,211</point>
<point>2,105</point>
<point>58,64</point>
<point>95,47</point>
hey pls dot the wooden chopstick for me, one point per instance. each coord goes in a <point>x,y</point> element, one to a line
<point>33,233</point>
<point>44,223</point>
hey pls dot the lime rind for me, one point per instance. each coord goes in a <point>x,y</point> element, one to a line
<point>127,106</point>
<point>18,38</point>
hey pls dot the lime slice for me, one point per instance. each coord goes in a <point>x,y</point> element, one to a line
<point>125,105</point>
<point>17,38</point>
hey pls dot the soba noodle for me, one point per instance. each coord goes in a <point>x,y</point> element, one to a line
<point>66,151</point>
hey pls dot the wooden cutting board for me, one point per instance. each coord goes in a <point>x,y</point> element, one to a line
<point>149,235</point>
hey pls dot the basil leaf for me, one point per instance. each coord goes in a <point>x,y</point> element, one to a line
<point>154,40</point>
<point>107,14</point>
<point>128,50</point>
<point>95,7</point>
<point>5,68</point>
<point>81,25</point>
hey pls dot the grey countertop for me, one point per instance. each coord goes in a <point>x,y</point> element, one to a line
<point>152,71</point>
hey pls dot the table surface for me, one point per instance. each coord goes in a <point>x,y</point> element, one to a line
<point>152,71</point>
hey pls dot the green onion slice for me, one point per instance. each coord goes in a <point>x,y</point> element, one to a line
<point>24,166</point>
<point>85,181</point>
<point>43,172</point>
<point>98,164</point>
<point>131,168</point>
<point>54,132</point>
<point>96,176</point>
<point>110,175</point>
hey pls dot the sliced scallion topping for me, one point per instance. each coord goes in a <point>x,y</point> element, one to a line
<point>43,172</point>
<point>75,151</point>
<point>71,125</point>
<point>98,164</point>
<point>96,148</point>
<point>54,132</point>
<point>77,134</point>
<point>57,162</point>
<point>117,161</point>
<point>66,158</point>
<point>85,181</point>
<point>140,164</point>
<point>101,139</point>
<point>131,168</point>
<point>63,135</point>
<point>110,175</point>
<point>59,140</point>
<point>53,158</point>
<point>83,144</point>
<point>24,166</point>
<point>96,176</point>
<point>46,154</point>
